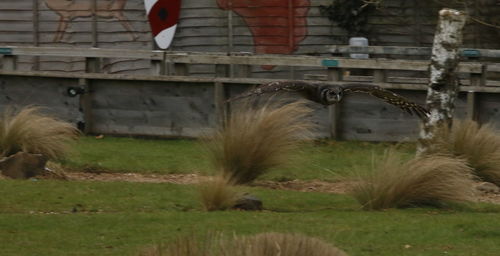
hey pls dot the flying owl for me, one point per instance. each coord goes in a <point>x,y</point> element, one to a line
<point>331,94</point>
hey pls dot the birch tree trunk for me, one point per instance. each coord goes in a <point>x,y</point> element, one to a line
<point>443,84</point>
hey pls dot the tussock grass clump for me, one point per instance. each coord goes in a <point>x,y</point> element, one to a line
<point>479,145</point>
<point>218,194</point>
<point>427,180</point>
<point>30,131</point>
<point>256,140</point>
<point>265,244</point>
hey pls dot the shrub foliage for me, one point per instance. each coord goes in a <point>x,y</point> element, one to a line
<point>478,144</point>
<point>218,194</point>
<point>255,140</point>
<point>31,131</point>
<point>427,180</point>
<point>265,244</point>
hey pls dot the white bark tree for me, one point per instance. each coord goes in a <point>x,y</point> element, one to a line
<point>443,84</point>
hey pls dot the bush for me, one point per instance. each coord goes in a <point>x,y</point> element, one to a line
<point>218,194</point>
<point>30,131</point>
<point>256,140</point>
<point>427,180</point>
<point>265,244</point>
<point>479,145</point>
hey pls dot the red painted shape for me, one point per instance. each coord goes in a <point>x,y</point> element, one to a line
<point>164,14</point>
<point>277,26</point>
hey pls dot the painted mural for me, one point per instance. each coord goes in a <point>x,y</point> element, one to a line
<point>68,10</point>
<point>277,26</point>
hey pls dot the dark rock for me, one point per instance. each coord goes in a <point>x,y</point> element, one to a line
<point>23,165</point>
<point>248,203</point>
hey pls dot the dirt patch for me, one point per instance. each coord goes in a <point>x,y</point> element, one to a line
<point>340,187</point>
<point>135,177</point>
<point>488,198</point>
<point>487,192</point>
<point>296,185</point>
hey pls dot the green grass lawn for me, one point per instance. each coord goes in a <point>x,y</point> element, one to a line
<point>94,218</point>
<point>43,217</point>
<point>324,160</point>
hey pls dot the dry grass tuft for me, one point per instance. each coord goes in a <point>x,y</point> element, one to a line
<point>54,171</point>
<point>256,140</point>
<point>479,145</point>
<point>218,194</point>
<point>427,180</point>
<point>270,244</point>
<point>265,244</point>
<point>31,131</point>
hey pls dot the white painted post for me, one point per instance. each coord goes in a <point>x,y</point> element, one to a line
<point>443,84</point>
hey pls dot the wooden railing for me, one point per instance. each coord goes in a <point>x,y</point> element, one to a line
<point>414,51</point>
<point>181,61</point>
<point>174,67</point>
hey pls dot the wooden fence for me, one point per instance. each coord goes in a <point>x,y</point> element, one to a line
<point>234,70</point>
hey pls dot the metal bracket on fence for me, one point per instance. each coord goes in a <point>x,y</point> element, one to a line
<point>74,91</point>
<point>330,63</point>
<point>471,53</point>
<point>5,51</point>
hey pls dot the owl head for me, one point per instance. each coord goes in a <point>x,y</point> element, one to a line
<point>331,95</point>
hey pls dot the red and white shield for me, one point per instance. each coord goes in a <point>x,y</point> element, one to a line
<point>163,16</point>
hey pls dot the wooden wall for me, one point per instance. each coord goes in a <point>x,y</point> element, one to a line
<point>187,110</point>
<point>46,92</point>
<point>204,26</point>
<point>183,109</point>
<point>153,108</point>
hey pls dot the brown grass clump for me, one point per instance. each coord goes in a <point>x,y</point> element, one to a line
<point>54,171</point>
<point>427,180</point>
<point>265,244</point>
<point>30,131</point>
<point>256,140</point>
<point>479,145</point>
<point>218,194</point>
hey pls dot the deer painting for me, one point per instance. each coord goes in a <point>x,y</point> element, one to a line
<point>68,10</point>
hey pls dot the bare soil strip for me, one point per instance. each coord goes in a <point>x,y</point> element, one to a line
<point>340,187</point>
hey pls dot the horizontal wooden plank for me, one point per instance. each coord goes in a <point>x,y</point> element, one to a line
<point>400,50</point>
<point>224,58</point>
<point>280,60</point>
<point>211,80</point>
<point>493,67</point>
<point>86,52</point>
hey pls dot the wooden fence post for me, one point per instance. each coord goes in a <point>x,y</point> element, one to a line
<point>221,70</point>
<point>181,69</point>
<point>94,35</point>
<point>158,67</point>
<point>92,65</point>
<point>334,74</point>
<point>9,62</point>
<point>379,76</point>
<point>475,80</point>
<point>36,32</point>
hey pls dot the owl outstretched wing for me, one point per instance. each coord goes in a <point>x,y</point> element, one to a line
<point>278,86</point>
<point>389,97</point>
